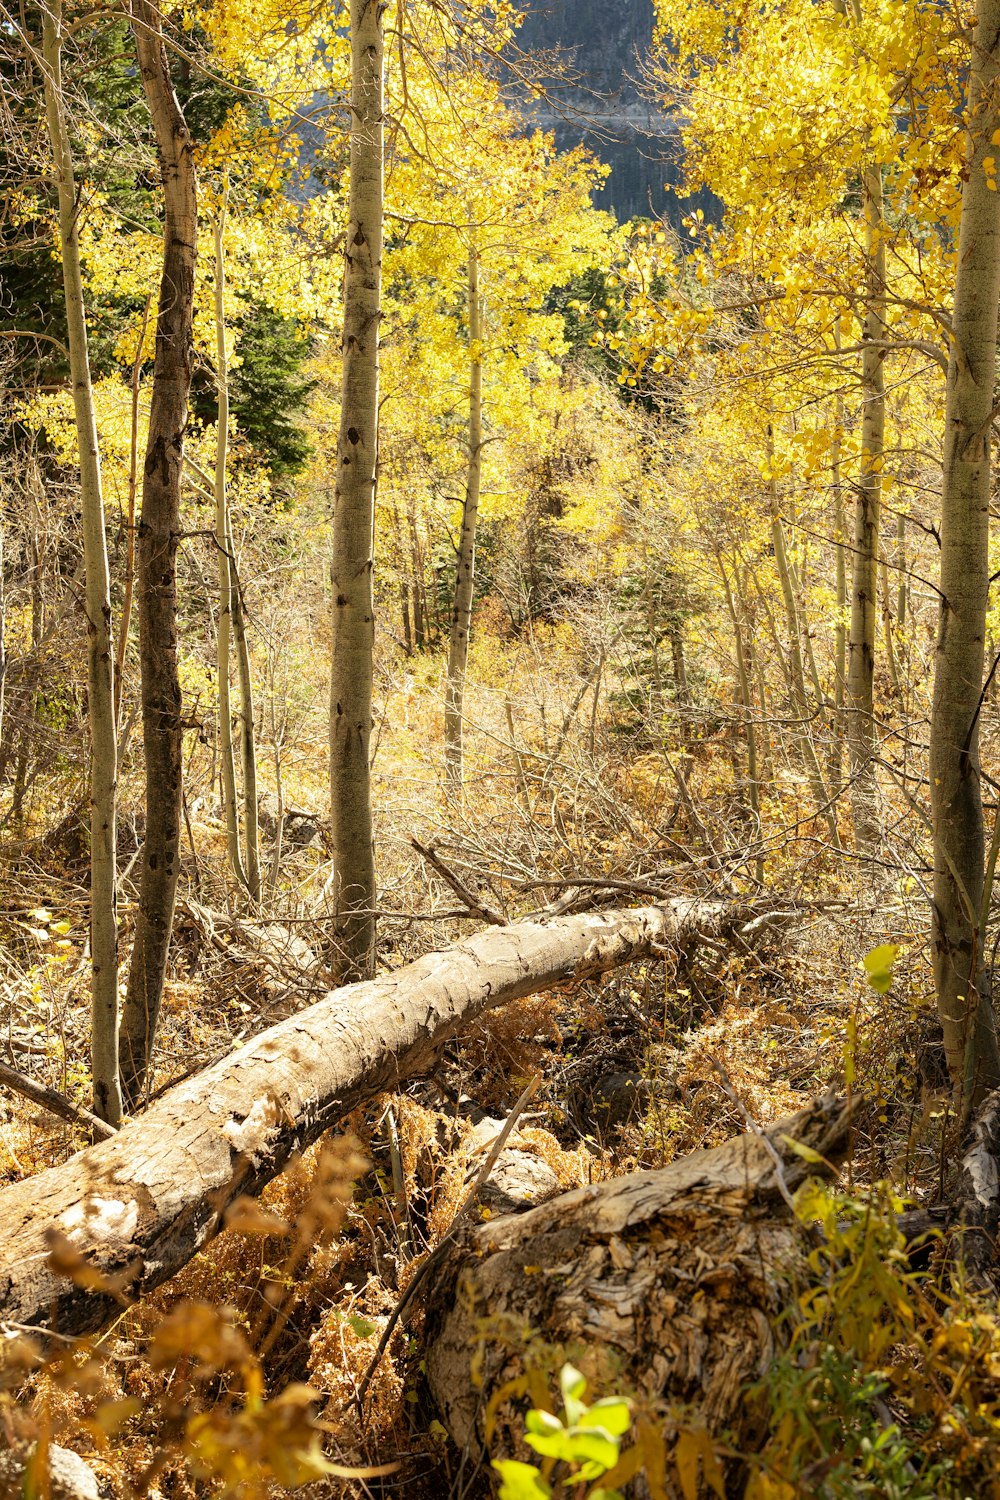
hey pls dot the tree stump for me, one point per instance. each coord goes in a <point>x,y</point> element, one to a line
<point>674,1280</point>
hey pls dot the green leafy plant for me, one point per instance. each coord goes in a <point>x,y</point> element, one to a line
<point>579,1448</point>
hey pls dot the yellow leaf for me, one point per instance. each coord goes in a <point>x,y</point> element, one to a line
<point>878,966</point>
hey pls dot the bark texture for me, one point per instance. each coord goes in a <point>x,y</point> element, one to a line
<point>867,507</point>
<point>354,505</point>
<point>796,670</point>
<point>140,1205</point>
<point>223,634</point>
<point>128,584</point>
<point>835,759</point>
<point>979,1195</point>
<point>675,1280</point>
<point>465,576</point>
<point>159,533</point>
<point>102,714</point>
<point>963,991</point>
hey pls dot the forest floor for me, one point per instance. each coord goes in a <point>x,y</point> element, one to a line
<point>661,1059</point>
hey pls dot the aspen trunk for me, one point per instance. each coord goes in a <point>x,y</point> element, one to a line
<point>133,482</point>
<point>746,710</point>
<point>354,506</point>
<point>800,704</point>
<point>888,629</point>
<point>100,650</point>
<point>864,580</point>
<point>150,1197</point>
<point>461,613</point>
<point>37,631</point>
<point>963,991</point>
<point>835,764</point>
<point>806,635</point>
<point>417,577</point>
<point>248,727</point>
<point>3,645</point>
<point>232,625</point>
<point>404,611</point>
<point>227,590</point>
<point>682,698</point>
<point>159,532</point>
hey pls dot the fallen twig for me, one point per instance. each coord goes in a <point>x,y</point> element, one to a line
<point>477,906</point>
<point>55,1103</point>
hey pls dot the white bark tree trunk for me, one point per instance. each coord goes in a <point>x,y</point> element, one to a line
<point>835,760</point>
<point>864,581</point>
<point>797,677</point>
<point>963,993</point>
<point>227,582</point>
<point>354,505</point>
<point>100,650</point>
<point>465,575</point>
<point>133,483</point>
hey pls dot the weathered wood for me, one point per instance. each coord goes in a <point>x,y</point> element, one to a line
<point>140,1205</point>
<point>673,1281</point>
<point>978,1215</point>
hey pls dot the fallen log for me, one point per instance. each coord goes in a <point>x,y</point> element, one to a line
<point>139,1206</point>
<point>978,1214</point>
<point>674,1280</point>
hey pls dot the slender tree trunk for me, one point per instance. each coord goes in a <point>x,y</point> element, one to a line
<point>133,481</point>
<point>3,644</point>
<point>417,582</point>
<point>864,581</point>
<point>888,630</point>
<point>800,705</point>
<point>232,625</point>
<point>963,991</point>
<point>248,728</point>
<point>37,631</point>
<point>227,590</point>
<point>806,635</point>
<point>902,607</point>
<point>100,650</point>
<point>236,623</point>
<point>354,506</point>
<point>746,710</point>
<point>461,613</point>
<point>835,764</point>
<point>404,610</point>
<point>159,532</point>
<point>653,636</point>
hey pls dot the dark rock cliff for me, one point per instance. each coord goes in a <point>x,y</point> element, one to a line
<point>602,45</point>
<point>603,40</point>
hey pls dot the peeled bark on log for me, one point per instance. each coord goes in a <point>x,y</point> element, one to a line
<point>139,1206</point>
<point>979,1196</point>
<point>673,1279</point>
